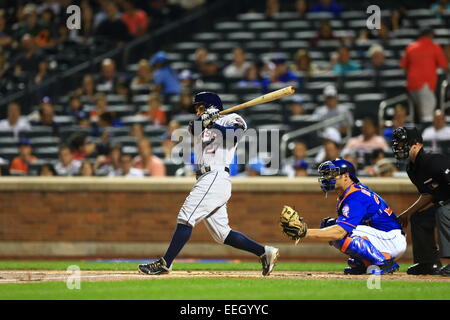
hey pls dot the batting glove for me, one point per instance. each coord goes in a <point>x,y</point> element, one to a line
<point>210,115</point>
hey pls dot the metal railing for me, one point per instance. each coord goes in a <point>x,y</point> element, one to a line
<point>287,137</point>
<point>443,96</point>
<point>395,100</point>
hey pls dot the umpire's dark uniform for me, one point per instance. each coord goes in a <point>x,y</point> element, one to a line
<point>430,173</point>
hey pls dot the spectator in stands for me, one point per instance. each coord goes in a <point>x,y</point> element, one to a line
<point>108,165</point>
<point>398,120</point>
<point>297,107</point>
<point>67,165</point>
<point>332,108</point>
<point>47,116</point>
<point>367,141</point>
<point>377,59</point>
<point>28,59</point>
<point>331,142</point>
<point>440,7</point>
<point>46,38</point>
<point>135,19</point>
<point>167,143</point>
<point>301,7</point>
<point>343,64</point>
<point>109,79</point>
<point>80,146</point>
<point>421,60</point>
<point>254,79</point>
<point>383,34</point>
<point>303,64</point>
<point>204,66</point>
<point>239,65</point>
<point>164,77</point>
<point>126,168</point>
<point>155,113</point>
<point>42,72</point>
<point>30,25</point>
<point>143,79</point>
<point>47,170</point>
<point>255,168</point>
<point>88,89</point>
<point>137,131</point>
<point>14,121</point>
<point>86,169</point>
<point>186,79</point>
<point>147,161</point>
<point>113,28</point>
<point>282,75</point>
<point>325,32</point>
<point>76,107</point>
<point>5,34</point>
<point>385,168</point>
<point>20,164</point>
<point>330,6</point>
<point>101,103</point>
<point>272,7</point>
<point>184,103</point>
<point>439,131</point>
<point>297,162</point>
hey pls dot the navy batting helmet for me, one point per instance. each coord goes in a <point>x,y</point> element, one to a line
<point>208,99</point>
<point>329,170</point>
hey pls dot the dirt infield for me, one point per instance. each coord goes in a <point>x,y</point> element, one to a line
<point>22,276</point>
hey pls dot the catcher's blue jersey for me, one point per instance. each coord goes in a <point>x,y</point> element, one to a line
<point>359,205</point>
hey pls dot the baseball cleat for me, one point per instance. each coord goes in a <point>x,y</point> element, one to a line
<point>388,266</point>
<point>268,259</point>
<point>355,267</point>
<point>424,269</point>
<point>154,268</point>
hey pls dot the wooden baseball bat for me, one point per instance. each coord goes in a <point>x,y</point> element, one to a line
<point>271,96</point>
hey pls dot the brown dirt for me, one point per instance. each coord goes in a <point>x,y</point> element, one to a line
<point>16,276</point>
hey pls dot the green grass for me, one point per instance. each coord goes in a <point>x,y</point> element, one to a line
<point>229,289</point>
<point>216,288</point>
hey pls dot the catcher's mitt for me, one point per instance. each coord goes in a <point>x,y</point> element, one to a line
<point>292,224</point>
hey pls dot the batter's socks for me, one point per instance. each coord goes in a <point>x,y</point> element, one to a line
<point>180,237</point>
<point>240,241</point>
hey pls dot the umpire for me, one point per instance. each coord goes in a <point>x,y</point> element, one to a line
<point>430,173</point>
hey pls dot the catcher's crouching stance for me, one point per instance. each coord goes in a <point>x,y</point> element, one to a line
<point>366,228</point>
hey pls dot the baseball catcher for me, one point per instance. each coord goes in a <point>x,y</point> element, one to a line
<point>366,229</point>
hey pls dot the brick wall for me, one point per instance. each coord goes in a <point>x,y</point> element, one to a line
<point>68,212</point>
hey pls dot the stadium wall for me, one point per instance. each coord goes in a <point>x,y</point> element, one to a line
<point>119,217</point>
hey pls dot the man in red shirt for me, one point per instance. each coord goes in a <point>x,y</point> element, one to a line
<point>135,19</point>
<point>421,60</point>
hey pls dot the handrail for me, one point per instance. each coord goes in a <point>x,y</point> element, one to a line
<point>308,129</point>
<point>394,100</point>
<point>147,38</point>
<point>444,105</point>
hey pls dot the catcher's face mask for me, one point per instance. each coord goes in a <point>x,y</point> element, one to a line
<point>327,176</point>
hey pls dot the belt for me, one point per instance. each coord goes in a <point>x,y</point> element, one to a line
<point>198,173</point>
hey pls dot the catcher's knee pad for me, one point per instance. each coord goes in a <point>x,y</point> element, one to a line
<point>361,249</point>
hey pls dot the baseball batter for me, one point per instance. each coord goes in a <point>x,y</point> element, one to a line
<point>214,147</point>
<point>366,228</point>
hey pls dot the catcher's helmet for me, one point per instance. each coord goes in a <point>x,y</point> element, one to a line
<point>402,140</point>
<point>208,99</point>
<point>329,170</point>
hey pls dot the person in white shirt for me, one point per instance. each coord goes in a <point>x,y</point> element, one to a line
<point>332,108</point>
<point>438,131</point>
<point>238,67</point>
<point>126,168</point>
<point>67,166</point>
<point>14,122</point>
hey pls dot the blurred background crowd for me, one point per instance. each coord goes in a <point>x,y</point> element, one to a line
<point>64,115</point>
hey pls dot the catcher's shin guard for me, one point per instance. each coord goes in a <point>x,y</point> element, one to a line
<point>362,249</point>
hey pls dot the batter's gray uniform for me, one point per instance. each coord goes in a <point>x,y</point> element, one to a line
<point>208,199</point>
